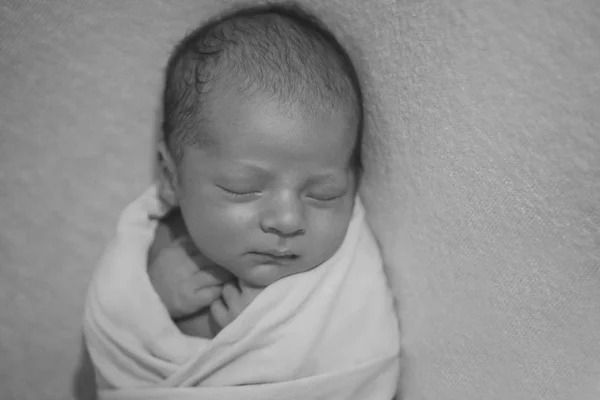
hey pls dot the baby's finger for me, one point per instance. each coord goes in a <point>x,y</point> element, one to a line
<point>189,300</point>
<point>232,298</point>
<point>203,297</point>
<point>219,313</point>
<point>249,293</point>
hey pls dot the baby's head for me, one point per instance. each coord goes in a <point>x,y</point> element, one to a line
<point>262,128</point>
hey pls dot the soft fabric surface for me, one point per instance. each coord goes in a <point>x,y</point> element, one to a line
<point>483,180</point>
<point>328,333</point>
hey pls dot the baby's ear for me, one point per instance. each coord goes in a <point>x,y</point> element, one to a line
<point>167,176</point>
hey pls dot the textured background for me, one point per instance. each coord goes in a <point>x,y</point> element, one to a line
<point>483,184</point>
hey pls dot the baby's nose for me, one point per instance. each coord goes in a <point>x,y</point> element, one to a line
<point>285,217</point>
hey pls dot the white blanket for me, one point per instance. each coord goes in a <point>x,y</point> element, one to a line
<point>329,333</point>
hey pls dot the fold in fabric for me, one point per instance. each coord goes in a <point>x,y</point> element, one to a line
<point>328,333</point>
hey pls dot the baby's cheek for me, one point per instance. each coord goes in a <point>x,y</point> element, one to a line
<point>218,234</point>
<point>229,224</point>
<point>329,235</point>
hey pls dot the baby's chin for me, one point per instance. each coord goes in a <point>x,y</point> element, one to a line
<point>263,275</point>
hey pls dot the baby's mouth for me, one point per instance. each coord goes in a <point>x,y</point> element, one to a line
<point>284,256</point>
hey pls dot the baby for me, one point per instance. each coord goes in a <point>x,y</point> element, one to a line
<point>261,150</point>
<point>249,271</point>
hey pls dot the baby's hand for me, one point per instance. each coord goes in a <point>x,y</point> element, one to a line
<point>183,278</point>
<point>234,299</point>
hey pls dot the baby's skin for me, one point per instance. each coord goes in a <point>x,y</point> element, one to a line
<point>201,297</point>
<point>261,153</point>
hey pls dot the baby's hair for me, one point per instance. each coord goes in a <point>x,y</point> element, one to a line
<point>277,49</point>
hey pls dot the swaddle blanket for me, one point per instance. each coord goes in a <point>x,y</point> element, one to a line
<point>329,333</point>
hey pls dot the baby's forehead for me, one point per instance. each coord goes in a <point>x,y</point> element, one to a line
<point>262,128</point>
<point>240,108</point>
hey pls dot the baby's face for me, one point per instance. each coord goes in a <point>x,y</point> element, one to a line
<point>276,194</point>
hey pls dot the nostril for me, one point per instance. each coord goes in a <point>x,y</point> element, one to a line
<point>284,233</point>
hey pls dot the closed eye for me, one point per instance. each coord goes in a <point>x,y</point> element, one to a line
<point>238,193</point>
<point>325,198</point>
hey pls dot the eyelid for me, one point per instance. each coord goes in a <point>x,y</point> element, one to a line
<point>237,194</point>
<point>328,198</point>
<point>325,200</point>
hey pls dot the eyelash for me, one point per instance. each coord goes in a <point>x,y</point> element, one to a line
<point>237,194</point>
<point>325,199</point>
<point>244,194</point>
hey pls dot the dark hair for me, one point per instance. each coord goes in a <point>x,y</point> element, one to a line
<point>276,48</point>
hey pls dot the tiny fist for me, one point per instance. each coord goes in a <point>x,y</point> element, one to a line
<point>203,297</point>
